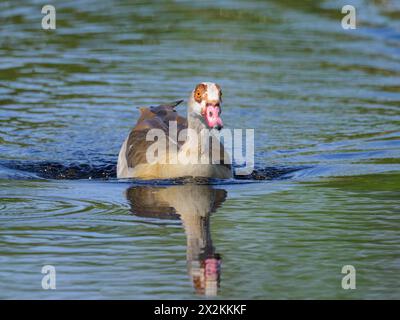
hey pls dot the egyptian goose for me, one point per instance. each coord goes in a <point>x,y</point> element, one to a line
<point>203,114</point>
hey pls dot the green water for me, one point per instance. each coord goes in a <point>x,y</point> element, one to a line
<point>320,98</point>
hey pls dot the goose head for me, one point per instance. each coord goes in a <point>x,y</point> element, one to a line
<point>205,102</point>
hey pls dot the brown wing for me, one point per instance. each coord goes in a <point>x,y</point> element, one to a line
<point>151,118</point>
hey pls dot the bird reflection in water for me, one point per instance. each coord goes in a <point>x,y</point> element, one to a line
<point>193,204</point>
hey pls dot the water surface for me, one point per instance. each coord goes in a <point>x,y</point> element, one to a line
<point>323,101</point>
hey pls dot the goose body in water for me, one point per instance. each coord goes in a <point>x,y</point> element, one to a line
<point>188,153</point>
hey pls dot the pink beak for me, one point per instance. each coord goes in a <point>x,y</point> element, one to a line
<point>212,117</point>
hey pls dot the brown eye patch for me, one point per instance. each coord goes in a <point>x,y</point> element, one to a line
<point>199,92</point>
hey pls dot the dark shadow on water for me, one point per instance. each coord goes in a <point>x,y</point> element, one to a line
<point>57,170</point>
<point>193,205</point>
<point>76,171</point>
